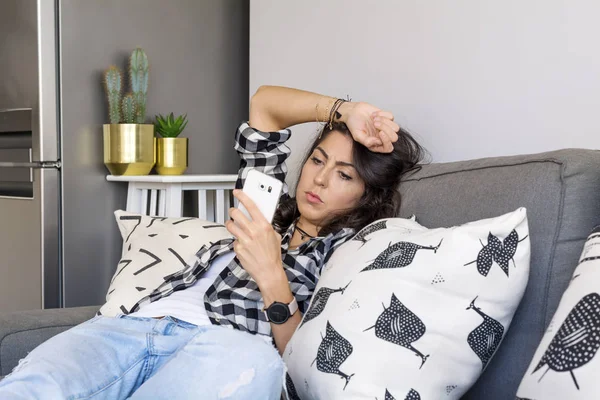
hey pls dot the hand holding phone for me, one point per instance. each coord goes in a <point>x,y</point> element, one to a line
<point>264,191</point>
<point>257,245</point>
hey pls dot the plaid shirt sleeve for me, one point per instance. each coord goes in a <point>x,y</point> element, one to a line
<point>263,151</point>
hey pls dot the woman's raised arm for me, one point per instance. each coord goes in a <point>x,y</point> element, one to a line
<point>273,108</point>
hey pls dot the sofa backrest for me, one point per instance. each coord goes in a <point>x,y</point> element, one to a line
<point>561,191</point>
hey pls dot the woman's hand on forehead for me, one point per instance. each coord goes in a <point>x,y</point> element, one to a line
<point>373,128</point>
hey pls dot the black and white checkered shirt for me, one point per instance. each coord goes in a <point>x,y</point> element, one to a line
<point>234,300</point>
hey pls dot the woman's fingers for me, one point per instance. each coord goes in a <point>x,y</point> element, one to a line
<point>370,130</point>
<point>383,120</point>
<point>242,223</point>
<point>389,127</point>
<point>235,230</point>
<point>367,140</point>
<point>391,123</point>
<point>387,145</point>
<point>372,142</point>
<point>378,132</point>
<point>384,114</point>
<point>253,210</point>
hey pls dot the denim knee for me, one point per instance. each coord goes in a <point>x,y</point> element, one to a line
<point>255,350</point>
<point>266,355</point>
<point>261,366</point>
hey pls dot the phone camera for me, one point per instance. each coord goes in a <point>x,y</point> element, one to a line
<point>262,187</point>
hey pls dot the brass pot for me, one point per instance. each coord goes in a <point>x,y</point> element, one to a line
<point>171,156</point>
<point>129,148</point>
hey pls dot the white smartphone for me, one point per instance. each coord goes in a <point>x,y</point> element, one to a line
<point>264,190</point>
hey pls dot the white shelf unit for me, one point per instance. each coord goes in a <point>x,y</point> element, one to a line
<point>162,195</point>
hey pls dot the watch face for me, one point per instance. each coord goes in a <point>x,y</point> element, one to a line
<point>278,313</point>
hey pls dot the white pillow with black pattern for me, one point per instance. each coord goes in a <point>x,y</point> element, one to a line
<point>406,312</point>
<point>566,364</point>
<point>154,248</point>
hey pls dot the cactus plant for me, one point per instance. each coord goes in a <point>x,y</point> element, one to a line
<point>112,86</point>
<point>132,107</point>
<point>129,107</point>
<point>138,76</point>
<point>170,126</point>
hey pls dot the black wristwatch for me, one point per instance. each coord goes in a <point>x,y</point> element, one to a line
<point>278,313</point>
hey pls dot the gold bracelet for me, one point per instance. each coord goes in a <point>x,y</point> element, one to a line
<point>320,130</point>
<point>317,111</point>
<point>328,110</point>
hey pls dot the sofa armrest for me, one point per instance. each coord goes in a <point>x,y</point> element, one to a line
<point>22,331</point>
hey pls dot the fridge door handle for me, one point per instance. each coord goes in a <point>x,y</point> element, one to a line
<point>35,165</point>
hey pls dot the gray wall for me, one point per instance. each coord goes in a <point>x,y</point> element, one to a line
<point>198,54</point>
<point>470,78</point>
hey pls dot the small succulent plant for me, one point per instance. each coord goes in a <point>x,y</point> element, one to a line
<point>169,126</point>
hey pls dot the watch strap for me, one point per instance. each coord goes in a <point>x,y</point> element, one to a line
<point>293,306</point>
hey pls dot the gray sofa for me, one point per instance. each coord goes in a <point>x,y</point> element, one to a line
<point>560,190</point>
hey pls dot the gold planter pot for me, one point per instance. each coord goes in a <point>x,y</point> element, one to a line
<point>171,156</point>
<point>129,149</point>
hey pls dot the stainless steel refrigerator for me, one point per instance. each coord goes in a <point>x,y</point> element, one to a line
<point>30,179</point>
<point>59,244</point>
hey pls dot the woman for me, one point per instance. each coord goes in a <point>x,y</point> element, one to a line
<point>175,346</point>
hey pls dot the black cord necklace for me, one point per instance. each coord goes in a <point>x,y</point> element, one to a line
<point>303,233</point>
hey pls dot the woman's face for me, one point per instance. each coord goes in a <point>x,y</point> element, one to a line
<point>329,182</point>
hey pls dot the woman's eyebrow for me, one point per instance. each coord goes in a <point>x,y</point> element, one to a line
<point>343,163</point>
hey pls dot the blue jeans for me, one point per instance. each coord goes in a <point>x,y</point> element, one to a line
<point>147,358</point>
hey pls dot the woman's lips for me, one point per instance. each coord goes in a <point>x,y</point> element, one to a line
<point>313,198</point>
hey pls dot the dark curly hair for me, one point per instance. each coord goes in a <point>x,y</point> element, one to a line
<point>381,174</point>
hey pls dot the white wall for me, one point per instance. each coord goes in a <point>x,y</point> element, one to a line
<point>470,78</point>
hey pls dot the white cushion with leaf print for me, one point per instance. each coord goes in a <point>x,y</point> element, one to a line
<point>155,248</point>
<point>406,312</point>
<point>566,364</point>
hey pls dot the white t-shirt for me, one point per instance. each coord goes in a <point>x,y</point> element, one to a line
<point>188,304</point>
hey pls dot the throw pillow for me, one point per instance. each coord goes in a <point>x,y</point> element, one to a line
<point>154,248</point>
<point>566,365</point>
<point>406,312</point>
